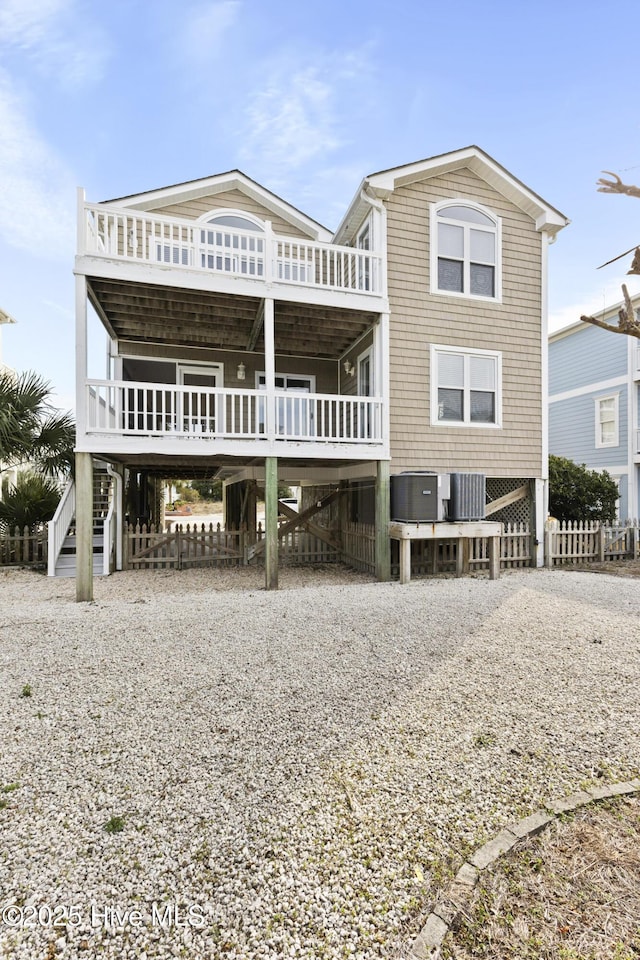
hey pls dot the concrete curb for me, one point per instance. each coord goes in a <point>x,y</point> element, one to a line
<point>428,943</point>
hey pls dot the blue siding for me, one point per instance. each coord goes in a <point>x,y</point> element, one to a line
<point>572,431</point>
<point>589,355</point>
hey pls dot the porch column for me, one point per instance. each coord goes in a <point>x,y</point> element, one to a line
<point>381,371</point>
<point>84,527</point>
<point>81,358</point>
<point>270,367</point>
<point>271,522</point>
<point>383,514</point>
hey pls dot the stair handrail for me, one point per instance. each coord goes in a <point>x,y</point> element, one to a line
<point>108,541</point>
<point>59,526</point>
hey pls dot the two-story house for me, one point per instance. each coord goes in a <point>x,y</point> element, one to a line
<point>247,341</point>
<point>594,401</point>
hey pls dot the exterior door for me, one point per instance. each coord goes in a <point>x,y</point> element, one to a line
<point>365,389</point>
<point>294,413</point>
<point>200,411</point>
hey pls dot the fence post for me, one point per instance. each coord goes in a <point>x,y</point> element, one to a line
<point>632,546</point>
<point>601,542</point>
<point>548,545</point>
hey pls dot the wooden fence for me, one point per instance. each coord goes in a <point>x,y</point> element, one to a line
<point>580,542</point>
<point>203,545</point>
<point>25,548</point>
<point>208,544</point>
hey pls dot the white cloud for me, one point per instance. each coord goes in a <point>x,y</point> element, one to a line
<point>56,36</point>
<point>206,26</point>
<point>36,190</point>
<point>300,114</point>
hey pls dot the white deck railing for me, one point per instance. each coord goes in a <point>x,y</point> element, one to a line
<point>128,408</point>
<point>195,245</point>
<point>59,526</point>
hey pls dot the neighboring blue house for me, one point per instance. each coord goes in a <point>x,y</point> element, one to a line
<point>594,398</point>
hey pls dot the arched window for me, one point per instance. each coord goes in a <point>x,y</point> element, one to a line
<point>237,221</point>
<point>232,242</point>
<point>466,250</point>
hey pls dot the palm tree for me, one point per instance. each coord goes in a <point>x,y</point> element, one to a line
<point>31,501</point>
<point>32,432</point>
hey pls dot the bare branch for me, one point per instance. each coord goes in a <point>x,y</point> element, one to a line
<point>628,322</point>
<point>617,186</point>
<point>620,256</point>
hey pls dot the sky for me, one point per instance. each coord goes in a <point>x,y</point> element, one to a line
<point>127,96</point>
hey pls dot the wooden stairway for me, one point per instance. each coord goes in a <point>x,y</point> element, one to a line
<point>66,562</point>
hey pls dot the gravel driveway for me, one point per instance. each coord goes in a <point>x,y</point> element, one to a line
<point>193,767</point>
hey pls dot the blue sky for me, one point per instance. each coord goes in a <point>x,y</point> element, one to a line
<point>127,96</point>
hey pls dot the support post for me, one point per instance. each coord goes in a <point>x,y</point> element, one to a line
<point>539,513</point>
<point>271,522</point>
<point>405,560</point>
<point>494,558</point>
<point>270,367</point>
<point>383,515</point>
<point>84,527</point>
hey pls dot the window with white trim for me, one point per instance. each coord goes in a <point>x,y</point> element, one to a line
<point>607,421</point>
<point>465,250</point>
<point>466,387</point>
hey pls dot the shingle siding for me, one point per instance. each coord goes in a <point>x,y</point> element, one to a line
<point>419,319</point>
<point>572,430</point>
<point>590,355</point>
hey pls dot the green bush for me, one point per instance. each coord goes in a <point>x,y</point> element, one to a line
<point>577,493</point>
<point>31,501</point>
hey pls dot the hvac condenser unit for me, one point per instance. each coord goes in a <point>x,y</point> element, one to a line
<point>419,497</point>
<point>468,496</point>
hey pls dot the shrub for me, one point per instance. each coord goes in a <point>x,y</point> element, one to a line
<point>33,500</point>
<point>577,493</point>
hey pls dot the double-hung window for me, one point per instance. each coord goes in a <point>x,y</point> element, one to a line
<point>465,387</point>
<point>607,431</point>
<point>465,250</point>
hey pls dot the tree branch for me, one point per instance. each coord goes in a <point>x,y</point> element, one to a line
<point>628,322</point>
<point>617,186</point>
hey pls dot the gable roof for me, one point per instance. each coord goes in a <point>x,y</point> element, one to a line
<point>219,183</point>
<point>381,185</point>
<point>6,317</point>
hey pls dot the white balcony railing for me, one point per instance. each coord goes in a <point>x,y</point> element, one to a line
<point>127,408</point>
<point>194,245</point>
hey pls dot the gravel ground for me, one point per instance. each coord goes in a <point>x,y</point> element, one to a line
<point>288,774</point>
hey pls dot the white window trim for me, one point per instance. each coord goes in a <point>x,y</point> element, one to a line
<point>297,376</point>
<point>433,245</point>
<point>365,227</point>
<point>372,381</point>
<point>437,348</point>
<point>199,367</point>
<point>600,444</point>
<point>230,212</point>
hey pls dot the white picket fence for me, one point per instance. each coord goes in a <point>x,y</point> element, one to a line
<point>578,542</point>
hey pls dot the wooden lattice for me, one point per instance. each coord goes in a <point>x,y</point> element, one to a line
<point>518,512</point>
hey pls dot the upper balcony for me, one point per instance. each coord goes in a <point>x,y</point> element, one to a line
<point>135,245</point>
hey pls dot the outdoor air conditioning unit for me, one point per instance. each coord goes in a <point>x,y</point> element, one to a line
<point>468,496</point>
<point>419,497</point>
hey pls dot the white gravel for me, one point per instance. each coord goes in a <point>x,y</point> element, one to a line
<point>302,768</point>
